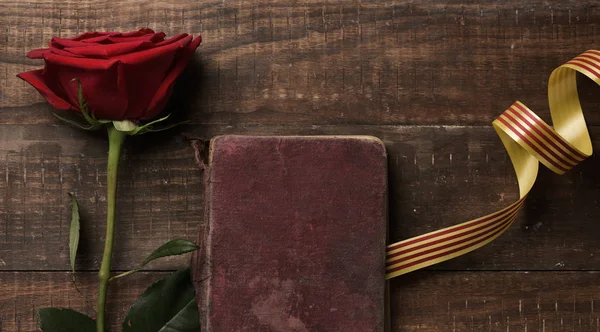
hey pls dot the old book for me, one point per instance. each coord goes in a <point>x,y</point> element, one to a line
<point>295,235</point>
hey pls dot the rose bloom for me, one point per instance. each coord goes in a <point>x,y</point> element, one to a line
<point>124,76</point>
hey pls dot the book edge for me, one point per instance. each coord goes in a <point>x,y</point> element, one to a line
<point>357,137</point>
<point>202,260</point>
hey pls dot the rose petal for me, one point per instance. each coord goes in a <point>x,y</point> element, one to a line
<point>140,32</point>
<point>104,36</point>
<point>106,95</point>
<point>95,36</point>
<point>110,50</point>
<point>80,63</point>
<point>125,76</point>
<point>172,39</point>
<point>143,56</point>
<point>123,89</point>
<point>71,46</point>
<point>103,92</point>
<point>155,38</point>
<point>162,94</point>
<point>63,43</point>
<point>60,51</point>
<point>89,35</point>
<point>37,53</point>
<point>100,39</point>
<point>36,79</point>
<point>143,78</point>
<point>111,37</point>
<point>145,72</point>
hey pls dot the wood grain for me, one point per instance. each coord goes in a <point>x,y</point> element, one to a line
<point>314,62</point>
<point>159,197</point>
<point>439,176</point>
<point>421,301</point>
<point>23,292</point>
<point>426,77</point>
<point>496,301</point>
<point>443,175</point>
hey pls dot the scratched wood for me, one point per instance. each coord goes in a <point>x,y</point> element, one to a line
<point>23,292</point>
<point>440,176</point>
<point>496,301</point>
<point>426,77</point>
<point>159,197</point>
<point>161,194</point>
<point>422,301</point>
<point>328,62</point>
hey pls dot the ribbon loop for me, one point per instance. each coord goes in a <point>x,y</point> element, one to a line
<point>528,141</point>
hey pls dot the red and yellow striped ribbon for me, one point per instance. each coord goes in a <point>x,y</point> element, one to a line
<point>528,140</point>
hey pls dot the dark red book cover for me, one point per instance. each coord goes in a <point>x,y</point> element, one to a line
<point>295,235</point>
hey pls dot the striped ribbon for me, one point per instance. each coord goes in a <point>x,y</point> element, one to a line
<point>528,141</point>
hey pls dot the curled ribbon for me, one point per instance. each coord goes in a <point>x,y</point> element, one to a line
<point>528,140</point>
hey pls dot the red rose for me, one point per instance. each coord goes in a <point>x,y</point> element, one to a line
<point>124,76</point>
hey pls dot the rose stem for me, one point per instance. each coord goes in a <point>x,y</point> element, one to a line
<point>115,143</point>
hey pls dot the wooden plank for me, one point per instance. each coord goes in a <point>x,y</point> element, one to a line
<point>420,301</point>
<point>496,301</point>
<point>439,176</point>
<point>159,196</point>
<point>340,62</point>
<point>443,175</point>
<point>23,292</point>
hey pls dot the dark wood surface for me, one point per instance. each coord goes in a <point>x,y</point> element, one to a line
<point>427,77</point>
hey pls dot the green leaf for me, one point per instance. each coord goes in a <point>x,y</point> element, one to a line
<point>75,123</point>
<point>90,118</point>
<point>148,126</point>
<point>73,231</point>
<point>172,248</point>
<point>155,130</point>
<point>64,320</point>
<point>167,306</point>
<point>132,128</point>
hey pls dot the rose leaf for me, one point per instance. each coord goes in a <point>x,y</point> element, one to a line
<point>64,320</point>
<point>169,305</point>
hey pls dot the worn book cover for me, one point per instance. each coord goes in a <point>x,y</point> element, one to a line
<point>294,236</point>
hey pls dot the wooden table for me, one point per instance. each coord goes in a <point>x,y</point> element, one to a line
<point>426,77</point>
